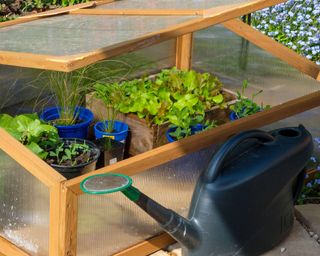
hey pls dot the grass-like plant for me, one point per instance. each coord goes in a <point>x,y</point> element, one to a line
<point>68,90</point>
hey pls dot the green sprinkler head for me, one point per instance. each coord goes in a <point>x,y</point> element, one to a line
<point>105,183</point>
<point>109,183</point>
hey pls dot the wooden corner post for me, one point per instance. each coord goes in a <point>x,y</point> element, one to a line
<point>184,51</point>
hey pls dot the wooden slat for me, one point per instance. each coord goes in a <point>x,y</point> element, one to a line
<point>29,160</point>
<point>30,60</point>
<point>149,246</point>
<point>140,12</point>
<point>277,49</point>
<point>184,51</point>
<point>9,249</point>
<point>55,219</point>
<point>74,62</point>
<point>194,143</point>
<point>68,223</point>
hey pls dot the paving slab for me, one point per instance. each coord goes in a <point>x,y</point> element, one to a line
<point>309,214</point>
<point>298,243</point>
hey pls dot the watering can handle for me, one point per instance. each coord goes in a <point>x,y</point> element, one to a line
<point>219,157</point>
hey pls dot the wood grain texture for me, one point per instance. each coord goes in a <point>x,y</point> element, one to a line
<point>149,246</point>
<point>196,142</point>
<point>140,12</point>
<point>73,62</point>
<point>184,51</point>
<point>55,219</point>
<point>9,249</point>
<point>282,52</point>
<point>28,160</point>
<point>68,223</point>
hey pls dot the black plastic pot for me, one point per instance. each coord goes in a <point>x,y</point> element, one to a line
<point>73,171</point>
<point>112,151</point>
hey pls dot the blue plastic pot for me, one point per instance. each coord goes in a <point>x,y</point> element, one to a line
<point>120,130</point>
<point>79,130</point>
<point>194,130</point>
<point>233,116</point>
<point>168,136</point>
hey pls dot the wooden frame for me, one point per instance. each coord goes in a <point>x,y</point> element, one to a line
<point>64,193</point>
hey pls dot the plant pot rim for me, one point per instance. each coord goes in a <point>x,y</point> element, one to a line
<point>97,126</point>
<point>92,145</point>
<point>85,120</point>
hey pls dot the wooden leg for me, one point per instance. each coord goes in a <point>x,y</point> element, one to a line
<point>68,223</point>
<point>184,51</point>
<point>63,221</point>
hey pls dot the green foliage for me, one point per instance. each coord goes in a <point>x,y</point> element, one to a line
<point>69,154</point>
<point>11,9</point>
<point>30,131</point>
<point>110,96</point>
<point>175,96</point>
<point>182,132</point>
<point>244,106</point>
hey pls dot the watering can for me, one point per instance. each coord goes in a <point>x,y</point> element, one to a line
<point>243,202</point>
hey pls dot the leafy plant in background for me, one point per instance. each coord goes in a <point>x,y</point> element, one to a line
<point>245,106</point>
<point>11,9</point>
<point>31,132</point>
<point>311,190</point>
<point>295,24</point>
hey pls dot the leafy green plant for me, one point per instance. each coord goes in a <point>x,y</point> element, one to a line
<point>31,132</point>
<point>245,106</point>
<point>69,154</point>
<point>175,96</point>
<point>182,132</point>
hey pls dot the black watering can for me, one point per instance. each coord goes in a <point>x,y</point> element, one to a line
<point>242,204</point>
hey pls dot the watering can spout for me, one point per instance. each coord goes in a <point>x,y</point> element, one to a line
<point>181,229</point>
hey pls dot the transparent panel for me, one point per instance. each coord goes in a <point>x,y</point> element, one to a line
<point>73,34</point>
<point>234,59</point>
<point>150,59</point>
<point>111,223</point>
<point>24,208</point>
<point>169,4</point>
<point>17,89</point>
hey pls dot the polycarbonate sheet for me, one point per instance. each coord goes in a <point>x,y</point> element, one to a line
<point>169,4</point>
<point>24,208</point>
<point>17,89</point>
<point>148,60</point>
<point>111,223</point>
<point>74,34</point>
<point>234,60</point>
